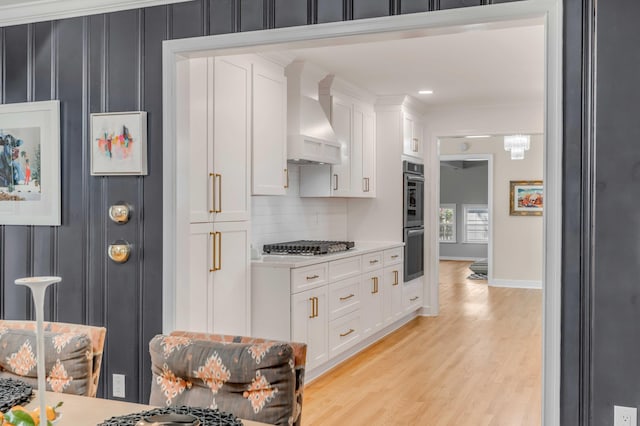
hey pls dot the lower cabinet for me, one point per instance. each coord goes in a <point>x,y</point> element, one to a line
<point>411,295</point>
<point>392,287</point>
<point>333,305</point>
<point>214,296</point>
<point>372,297</point>
<point>309,324</point>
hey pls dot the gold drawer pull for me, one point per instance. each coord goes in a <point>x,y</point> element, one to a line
<point>395,256</point>
<point>313,277</point>
<point>351,330</point>
<point>413,299</point>
<point>286,177</point>
<point>218,177</point>
<point>313,307</point>
<point>373,262</point>
<point>395,275</point>
<point>216,252</point>
<point>347,297</point>
<point>375,285</point>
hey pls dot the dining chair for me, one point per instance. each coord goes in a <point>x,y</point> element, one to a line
<point>255,379</point>
<point>73,355</point>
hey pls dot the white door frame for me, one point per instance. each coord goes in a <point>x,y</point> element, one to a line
<point>451,20</point>
<point>467,157</point>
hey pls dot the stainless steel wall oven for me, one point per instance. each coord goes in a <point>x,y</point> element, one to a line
<point>413,220</point>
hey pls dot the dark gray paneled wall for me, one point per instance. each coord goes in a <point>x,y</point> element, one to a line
<point>113,61</point>
<point>460,186</point>
<point>616,290</point>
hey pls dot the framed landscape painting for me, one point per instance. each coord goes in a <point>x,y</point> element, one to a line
<point>30,163</point>
<point>119,143</point>
<point>526,198</point>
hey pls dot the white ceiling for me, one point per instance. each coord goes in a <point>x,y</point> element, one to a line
<point>478,67</point>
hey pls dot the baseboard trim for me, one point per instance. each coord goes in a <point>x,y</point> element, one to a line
<point>310,376</point>
<point>515,283</point>
<point>474,259</point>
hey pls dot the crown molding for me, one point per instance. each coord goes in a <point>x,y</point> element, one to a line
<point>23,12</point>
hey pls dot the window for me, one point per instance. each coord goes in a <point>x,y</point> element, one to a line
<point>447,223</point>
<point>476,223</point>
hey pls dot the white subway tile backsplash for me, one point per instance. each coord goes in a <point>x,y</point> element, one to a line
<point>285,218</point>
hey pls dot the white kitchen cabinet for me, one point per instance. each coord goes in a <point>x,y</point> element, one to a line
<point>371,307</point>
<point>270,174</point>
<point>216,289</point>
<point>392,291</point>
<point>309,324</point>
<point>344,333</point>
<point>413,135</point>
<point>219,131</point>
<point>411,295</point>
<point>353,119</point>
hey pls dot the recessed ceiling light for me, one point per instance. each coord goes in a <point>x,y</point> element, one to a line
<point>425,92</point>
<point>477,136</point>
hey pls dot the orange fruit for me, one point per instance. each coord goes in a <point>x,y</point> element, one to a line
<point>51,413</point>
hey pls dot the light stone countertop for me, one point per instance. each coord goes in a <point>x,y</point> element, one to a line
<point>297,261</point>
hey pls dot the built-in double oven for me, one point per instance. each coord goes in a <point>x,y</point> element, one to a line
<point>413,220</point>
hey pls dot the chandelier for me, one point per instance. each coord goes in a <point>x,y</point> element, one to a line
<point>517,145</point>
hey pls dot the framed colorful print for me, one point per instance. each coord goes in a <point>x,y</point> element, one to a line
<point>526,198</point>
<point>30,163</point>
<point>119,143</point>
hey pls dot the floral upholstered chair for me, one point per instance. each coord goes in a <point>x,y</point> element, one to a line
<point>255,379</point>
<point>73,354</point>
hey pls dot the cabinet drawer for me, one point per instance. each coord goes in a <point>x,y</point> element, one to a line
<point>393,256</point>
<point>412,296</point>
<point>344,297</point>
<point>344,332</point>
<point>372,261</point>
<point>345,268</point>
<point>308,277</point>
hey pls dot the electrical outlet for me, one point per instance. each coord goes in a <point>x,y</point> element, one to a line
<point>625,416</point>
<point>118,386</point>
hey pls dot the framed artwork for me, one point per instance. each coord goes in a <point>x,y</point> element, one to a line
<point>30,163</point>
<point>119,143</point>
<point>526,198</point>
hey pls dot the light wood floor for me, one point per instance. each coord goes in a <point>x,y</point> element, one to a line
<point>477,363</point>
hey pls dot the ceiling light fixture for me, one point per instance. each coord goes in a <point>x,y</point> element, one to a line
<point>425,92</point>
<point>517,145</point>
<point>477,136</point>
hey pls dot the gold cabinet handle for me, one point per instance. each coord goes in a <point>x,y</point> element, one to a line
<point>216,241</point>
<point>347,297</point>
<point>218,177</point>
<point>312,277</point>
<point>213,251</point>
<point>395,256</point>
<point>395,274</point>
<point>413,299</point>
<point>373,262</point>
<point>286,178</point>
<point>375,285</point>
<point>335,186</point>
<point>351,330</point>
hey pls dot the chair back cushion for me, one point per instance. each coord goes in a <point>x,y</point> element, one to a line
<point>68,359</point>
<point>95,334</point>
<point>252,381</point>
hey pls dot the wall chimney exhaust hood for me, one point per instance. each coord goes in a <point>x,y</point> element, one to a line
<point>310,137</point>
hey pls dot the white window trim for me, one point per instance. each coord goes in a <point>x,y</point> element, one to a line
<point>453,207</point>
<point>465,208</point>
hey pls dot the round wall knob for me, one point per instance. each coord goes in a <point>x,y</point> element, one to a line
<point>119,213</point>
<point>119,251</point>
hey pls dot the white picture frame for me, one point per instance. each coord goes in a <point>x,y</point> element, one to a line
<point>30,163</point>
<point>119,143</point>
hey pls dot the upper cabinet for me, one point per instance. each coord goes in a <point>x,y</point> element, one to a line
<point>270,174</point>
<point>413,136</point>
<point>219,130</point>
<point>353,119</point>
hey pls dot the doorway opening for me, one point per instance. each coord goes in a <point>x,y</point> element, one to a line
<point>396,28</point>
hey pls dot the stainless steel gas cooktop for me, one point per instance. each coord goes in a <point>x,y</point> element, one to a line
<point>308,247</point>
